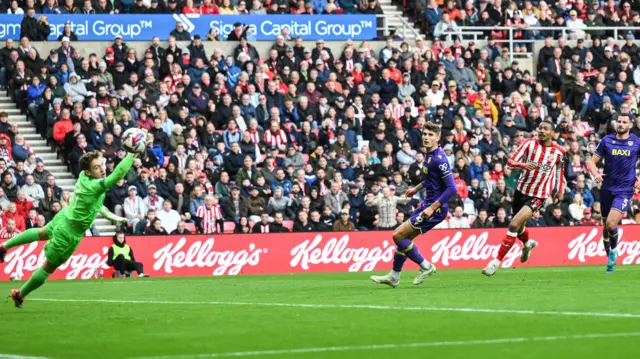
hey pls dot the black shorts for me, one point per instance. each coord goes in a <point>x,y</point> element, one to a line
<point>520,200</point>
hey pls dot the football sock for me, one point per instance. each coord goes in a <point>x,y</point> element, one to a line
<point>613,238</point>
<point>606,241</point>
<point>28,236</point>
<point>523,236</point>
<point>36,281</point>
<point>410,250</point>
<point>506,245</point>
<point>398,261</point>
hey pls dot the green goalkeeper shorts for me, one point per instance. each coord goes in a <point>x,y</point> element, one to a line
<point>62,241</point>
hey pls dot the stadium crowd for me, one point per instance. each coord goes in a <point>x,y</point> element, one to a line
<point>204,7</point>
<point>306,139</point>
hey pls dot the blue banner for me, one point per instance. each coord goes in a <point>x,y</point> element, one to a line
<point>145,27</point>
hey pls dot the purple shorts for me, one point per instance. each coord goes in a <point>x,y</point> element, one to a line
<point>609,201</point>
<point>425,224</point>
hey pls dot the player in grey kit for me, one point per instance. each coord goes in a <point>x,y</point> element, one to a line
<point>440,186</point>
<point>620,151</point>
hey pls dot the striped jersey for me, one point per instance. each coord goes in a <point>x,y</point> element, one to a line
<point>539,182</point>
<point>6,235</point>
<point>209,217</point>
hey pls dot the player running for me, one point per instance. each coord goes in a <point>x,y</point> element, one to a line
<point>67,228</point>
<point>542,164</point>
<point>438,181</point>
<point>620,152</point>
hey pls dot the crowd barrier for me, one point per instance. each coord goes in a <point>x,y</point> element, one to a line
<point>206,255</point>
<point>145,27</point>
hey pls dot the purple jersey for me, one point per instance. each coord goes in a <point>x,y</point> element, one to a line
<point>620,157</point>
<point>436,177</point>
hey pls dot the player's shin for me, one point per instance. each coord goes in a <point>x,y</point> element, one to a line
<point>613,238</point>
<point>36,281</point>
<point>398,263</point>
<point>28,236</point>
<point>606,240</point>
<point>506,245</point>
<point>523,235</point>
<point>410,250</point>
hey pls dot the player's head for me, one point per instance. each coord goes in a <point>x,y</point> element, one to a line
<point>546,129</point>
<point>93,164</point>
<point>623,124</point>
<point>430,135</point>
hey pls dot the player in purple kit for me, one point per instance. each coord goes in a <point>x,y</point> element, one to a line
<point>620,152</point>
<point>440,186</point>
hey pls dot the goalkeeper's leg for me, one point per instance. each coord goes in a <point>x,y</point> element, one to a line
<point>28,236</point>
<point>57,251</point>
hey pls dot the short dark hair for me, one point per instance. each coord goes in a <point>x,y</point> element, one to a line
<point>87,158</point>
<point>553,126</point>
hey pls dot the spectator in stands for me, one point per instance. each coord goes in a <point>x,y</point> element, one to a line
<point>143,225</point>
<point>181,229</point>
<point>10,230</point>
<point>244,227</point>
<point>343,224</point>
<point>169,217</point>
<point>12,213</point>
<point>179,33</point>
<point>458,221</point>
<point>134,207</point>
<point>302,223</point>
<point>33,191</point>
<point>235,206</point>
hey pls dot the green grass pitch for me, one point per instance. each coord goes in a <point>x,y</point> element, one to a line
<point>555,312</point>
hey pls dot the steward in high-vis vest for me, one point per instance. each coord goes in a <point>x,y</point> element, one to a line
<point>121,258</point>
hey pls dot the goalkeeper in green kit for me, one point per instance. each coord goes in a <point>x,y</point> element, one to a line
<point>68,227</point>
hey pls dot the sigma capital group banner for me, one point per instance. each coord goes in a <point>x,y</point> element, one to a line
<point>145,27</point>
<point>235,254</point>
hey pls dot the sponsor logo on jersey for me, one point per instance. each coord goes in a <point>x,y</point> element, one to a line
<point>617,152</point>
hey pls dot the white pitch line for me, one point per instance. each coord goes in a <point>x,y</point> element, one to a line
<point>396,346</point>
<point>19,356</point>
<point>347,306</point>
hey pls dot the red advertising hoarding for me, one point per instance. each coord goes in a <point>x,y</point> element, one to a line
<point>205,255</point>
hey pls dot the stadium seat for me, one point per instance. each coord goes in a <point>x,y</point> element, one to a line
<point>166,161</point>
<point>191,227</point>
<point>288,225</point>
<point>229,227</point>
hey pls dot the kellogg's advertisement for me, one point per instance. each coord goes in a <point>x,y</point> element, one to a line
<point>233,254</point>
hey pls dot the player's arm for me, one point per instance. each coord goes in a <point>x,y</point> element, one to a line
<point>449,190</point>
<point>558,188</point>
<point>120,171</point>
<point>592,164</point>
<point>112,217</point>
<point>515,161</point>
<point>410,192</point>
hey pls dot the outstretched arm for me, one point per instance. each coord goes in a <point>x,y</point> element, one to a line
<point>112,217</point>
<point>120,171</point>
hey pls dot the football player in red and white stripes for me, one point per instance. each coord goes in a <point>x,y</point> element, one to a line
<point>542,164</point>
<point>209,215</point>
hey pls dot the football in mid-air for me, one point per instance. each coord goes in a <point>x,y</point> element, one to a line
<point>15,276</point>
<point>134,140</point>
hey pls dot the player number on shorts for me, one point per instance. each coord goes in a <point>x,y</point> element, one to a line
<point>625,203</point>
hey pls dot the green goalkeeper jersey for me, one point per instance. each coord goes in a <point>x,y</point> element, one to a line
<point>88,196</point>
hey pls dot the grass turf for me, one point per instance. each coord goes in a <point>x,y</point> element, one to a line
<point>86,329</point>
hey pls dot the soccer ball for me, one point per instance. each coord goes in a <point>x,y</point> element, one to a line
<point>15,276</point>
<point>134,140</point>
